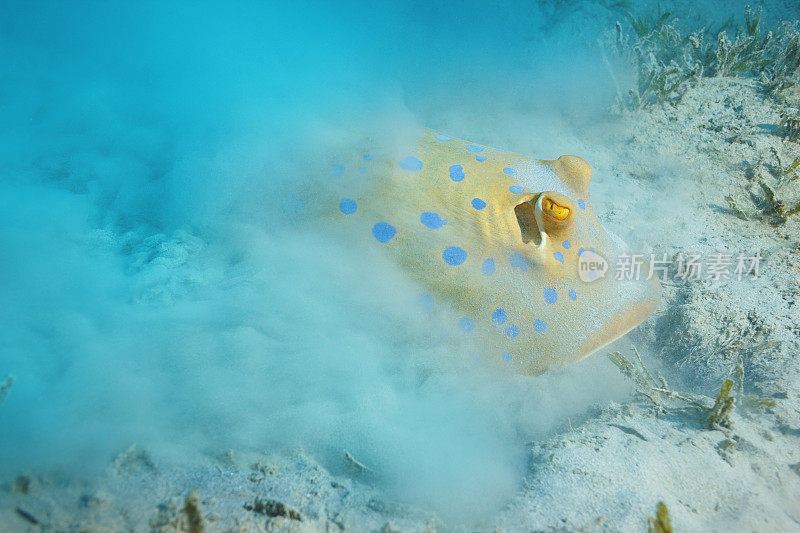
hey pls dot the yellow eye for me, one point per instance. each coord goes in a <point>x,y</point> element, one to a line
<point>559,212</point>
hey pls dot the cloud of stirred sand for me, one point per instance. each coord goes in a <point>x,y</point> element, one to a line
<point>156,287</point>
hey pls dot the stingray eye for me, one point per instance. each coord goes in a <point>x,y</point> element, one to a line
<point>555,210</point>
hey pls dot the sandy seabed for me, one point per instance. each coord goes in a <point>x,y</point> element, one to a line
<point>608,469</point>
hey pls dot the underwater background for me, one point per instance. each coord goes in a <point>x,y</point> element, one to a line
<point>162,284</point>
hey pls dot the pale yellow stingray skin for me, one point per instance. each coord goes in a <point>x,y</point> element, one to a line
<point>546,225</point>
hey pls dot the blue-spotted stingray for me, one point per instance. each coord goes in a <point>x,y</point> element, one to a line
<point>497,237</point>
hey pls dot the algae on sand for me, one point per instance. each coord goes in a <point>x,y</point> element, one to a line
<point>789,127</point>
<point>665,56</point>
<point>661,523</point>
<point>654,387</point>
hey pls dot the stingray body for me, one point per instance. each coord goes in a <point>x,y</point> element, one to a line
<point>500,238</point>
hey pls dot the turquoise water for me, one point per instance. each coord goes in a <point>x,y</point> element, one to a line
<point>159,280</point>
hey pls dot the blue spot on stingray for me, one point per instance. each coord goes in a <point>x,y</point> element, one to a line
<point>566,245</point>
<point>506,357</point>
<point>426,301</point>
<point>499,316</point>
<point>337,170</point>
<point>466,325</point>
<point>516,189</point>
<point>518,261</point>
<point>480,158</point>
<point>550,295</point>
<point>510,171</point>
<point>478,204</point>
<point>512,331</point>
<point>432,220</point>
<point>442,137</point>
<point>581,203</point>
<point>362,169</point>
<point>488,267</point>
<point>572,295</point>
<point>457,173</point>
<point>454,255</point>
<point>383,231</point>
<point>559,257</point>
<point>581,250</point>
<point>347,206</point>
<point>411,163</point>
<point>367,157</point>
<point>474,148</point>
<point>539,325</point>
